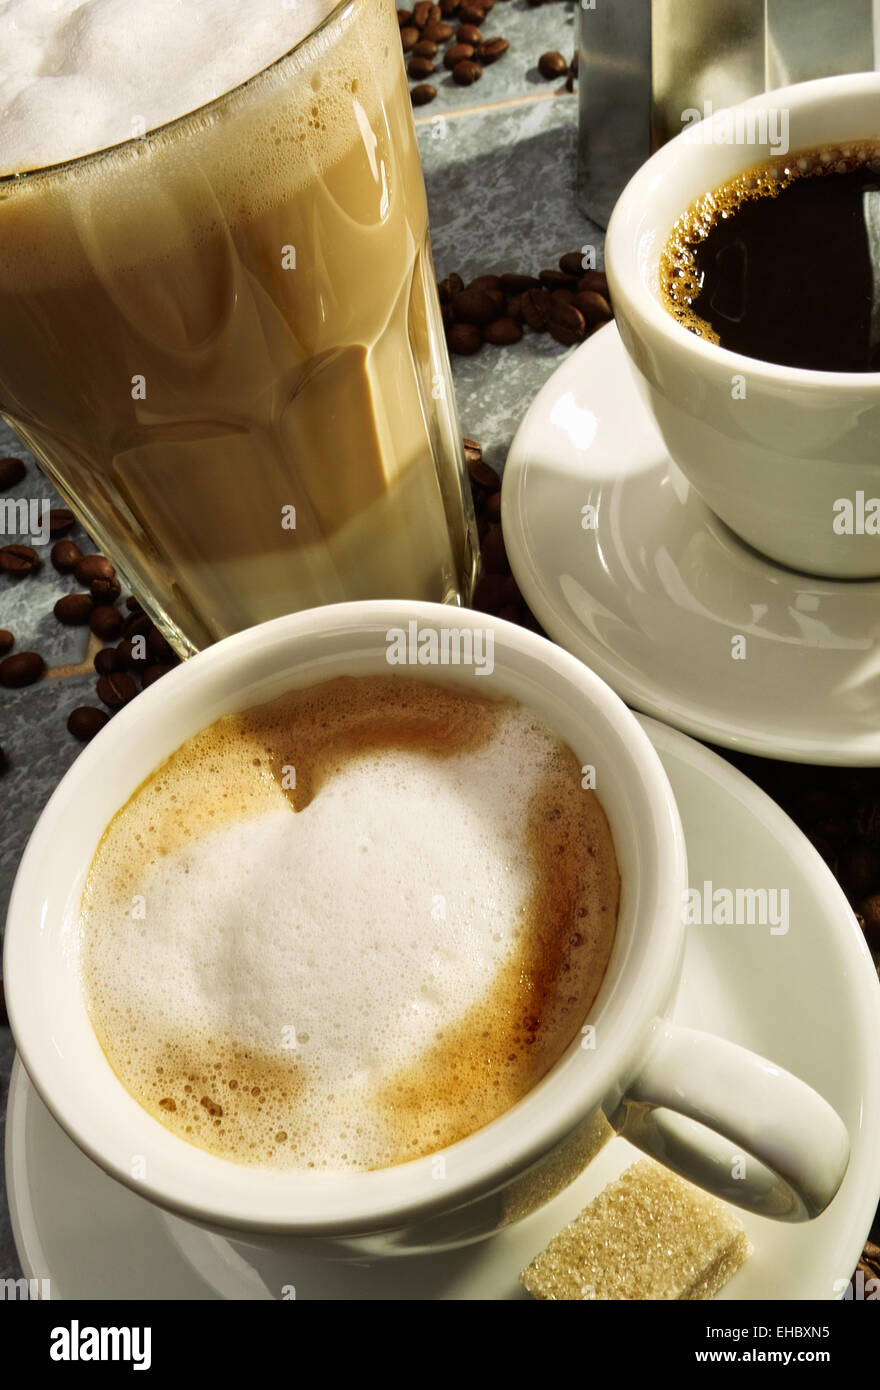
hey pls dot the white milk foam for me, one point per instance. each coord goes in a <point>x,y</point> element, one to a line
<point>319,955</point>
<point>77,76</point>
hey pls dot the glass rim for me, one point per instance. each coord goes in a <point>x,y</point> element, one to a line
<point>76,161</point>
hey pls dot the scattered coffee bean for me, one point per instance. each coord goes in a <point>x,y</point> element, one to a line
<point>481,474</point>
<point>493,552</point>
<point>464,338</point>
<point>85,721</point>
<point>502,332</point>
<point>468,34</point>
<point>421,95</point>
<point>65,556</point>
<point>565,323</point>
<point>117,689</point>
<point>552,65</point>
<point>108,660</point>
<point>18,559</point>
<point>456,53</point>
<point>409,37</point>
<point>513,307</point>
<point>74,610</point>
<point>572,263</point>
<point>133,604</point>
<point>490,50</point>
<point>105,590</point>
<point>474,306</point>
<point>153,673</point>
<point>448,8</point>
<point>493,506</point>
<point>594,307</point>
<point>93,567</point>
<point>424,49</point>
<point>562,296</point>
<point>535,306</point>
<point>869,911</point>
<point>569,83</point>
<point>136,623</point>
<point>106,622</point>
<point>493,591</point>
<point>7,641</point>
<point>573,65</point>
<point>438,31</point>
<point>60,520</point>
<point>471,14</point>
<point>133,657</point>
<point>22,668</point>
<point>161,653</point>
<point>595,280</point>
<point>450,286</point>
<point>12,470</point>
<point>515,284</point>
<point>420,67</point>
<point>421,13</point>
<point>466,72</point>
<point>404,17</point>
<point>485,282</point>
<point>555,280</point>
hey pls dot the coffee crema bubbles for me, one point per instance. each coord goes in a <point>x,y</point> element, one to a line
<point>350,927</point>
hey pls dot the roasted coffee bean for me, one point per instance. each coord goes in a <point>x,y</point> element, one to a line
<point>117,689</point>
<point>448,8</point>
<point>471,14</point>
<point>61,519</point>
<point>493,591</point>
<point>535,306</point>
<point>421,13</point>
<point>569,83</point>
<point>485,282</point>
<point>85,721</point>
<point>485,6</point>
<point>74,610</point>
<point>106,622</point>
<point>468,34</point>
<point>474,306</point>
<point>22,668</point>
<point>573,65</point>
<point>133,653</point>
<point>493,506</point>
<point>160,651</point>
<point>133,604</point>
<point>65,556</point>
<point>515,284</point>
<point>473,451</point>
<point>513,307</point>
<point>137,623</point>
<point>435,12</point>
<point>555,280</point>
<point>409,37</point>
<point>466,72</point>
<point>493,553</point>
<point>464,338</point>
<point>93,567</point>
<point>456,53</point>
<point>502,332</point>
<point>490,50</point>
<point>594,280</point>
<point>858,869</point>
<point>18,559</point>
<point>594,307</point>
<point>12,470</point>
<point>108,660</point>
<point>425,49</point>
<point>482,475</point>
<point>438,31</point>
<point>572,263</point>
<point>422,94</point>
<point>153,673</point>
<point>552,65</point>
<point>105,590</point>
<point>404,17</point>
<point>420,67</point>
<point>562,296</point>
<point>869,911</point>
<point>7,641</point>
<point>565,323</point>
<point>450,286</point>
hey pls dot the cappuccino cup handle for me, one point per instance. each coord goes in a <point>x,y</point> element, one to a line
<point>763,1140</point>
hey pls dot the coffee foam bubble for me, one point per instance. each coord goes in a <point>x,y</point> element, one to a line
<point>363,967</point>
<point>679,276</point>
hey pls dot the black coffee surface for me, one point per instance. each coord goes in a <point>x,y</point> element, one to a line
<point>784,265</point>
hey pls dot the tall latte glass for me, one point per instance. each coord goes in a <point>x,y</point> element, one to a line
<point>221,337</point>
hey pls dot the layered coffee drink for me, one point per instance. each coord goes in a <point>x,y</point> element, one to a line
<point>350,927</point>
<point>221,336</point>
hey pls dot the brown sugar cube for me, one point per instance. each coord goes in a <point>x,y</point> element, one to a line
<point>649,1235</point>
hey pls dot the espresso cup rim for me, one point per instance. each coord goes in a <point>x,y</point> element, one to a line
<point>91,1103</point>
<point>630,218</point>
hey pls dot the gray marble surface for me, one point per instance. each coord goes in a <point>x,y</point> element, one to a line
<point>500,177</point>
